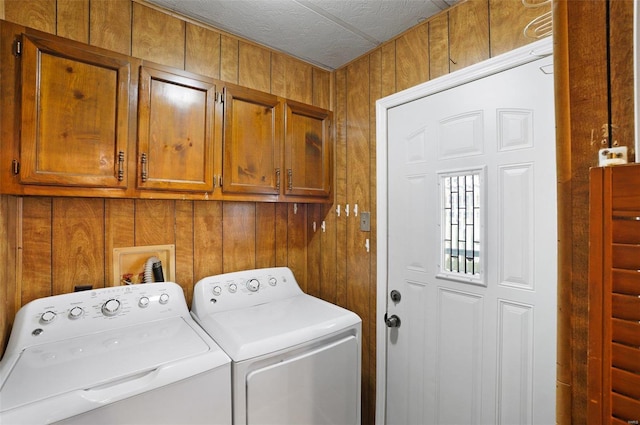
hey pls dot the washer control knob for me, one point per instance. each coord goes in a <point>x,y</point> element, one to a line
<point>273,281</point>
<point>253,285</point>
<point>143,302</point>
<point>47,317</point>
<point>233,288</point>
<point>164,298</point>
<point>217,290</point>
<point>76,312</point>
<point>111,307</point>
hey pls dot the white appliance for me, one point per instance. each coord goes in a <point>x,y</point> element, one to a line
<point>295,358</point>
<point>126,354</point>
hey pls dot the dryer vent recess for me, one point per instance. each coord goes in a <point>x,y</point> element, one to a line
<point>141,264</point>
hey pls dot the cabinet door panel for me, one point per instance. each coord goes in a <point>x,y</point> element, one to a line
<point>175,131</point>
<point>74,115</point>
<point>252,133</point>
<point>308,150</point>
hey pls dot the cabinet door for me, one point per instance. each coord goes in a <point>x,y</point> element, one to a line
<point>74,115</point>
<point>252,140</point>
<point>175,130</point>
<point>307,150</point>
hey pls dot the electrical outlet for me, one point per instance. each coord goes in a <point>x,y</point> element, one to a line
<point>129,263</point>
<point>612,156</point>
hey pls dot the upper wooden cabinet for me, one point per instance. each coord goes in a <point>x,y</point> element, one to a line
<point>74,115</point>
<point>251,144</point>
<point>307,150</point>
<point>175,130</point>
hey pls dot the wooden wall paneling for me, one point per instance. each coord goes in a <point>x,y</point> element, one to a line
<point>73,19</point>
<point>282,229</point>
<point>321,88</point>
<point>468,33</point>
<point>238,236</point>
<point>254,67</point>
<point>154,222</point>
<point>110,25</point>
<point>341,186</point>
<point>588,37</point>
<point>291,78</point>
<point>77,245</point>
<point>202,51</point>
<point>265,235</point>
<point>388,69</point>
<point>508,20</point>
<point>207,239</point>
<point>229,47</point>
<point>158,37</point>
<point>297,242</point>
<point>10,228</point>
<point>621,79</point>
<point>358,182</point>
<point>37,14</point>
<point>119,216</point>
<point>328,256</point>
<point>2,9</point>
<point>412,57</point>
<point>314,249</point>
<point>439,46</point>
<point>36,271</point>
<point>184,247</point>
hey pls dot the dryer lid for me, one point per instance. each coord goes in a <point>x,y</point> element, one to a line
<point>270,327</point>
<point>99,359</point>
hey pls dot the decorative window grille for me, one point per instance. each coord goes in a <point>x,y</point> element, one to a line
<point>461,226</point>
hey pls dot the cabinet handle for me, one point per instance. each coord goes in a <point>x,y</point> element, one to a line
<point>289,179</point>
<point>120,166</point>
<point>143,161</point>
<point>278,179</point>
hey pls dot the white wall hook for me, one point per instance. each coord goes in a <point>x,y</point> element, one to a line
<point>338,210</point>
<point>346,210</point>
<point>323,226</point>
<point>366,244</point>
<point>314,227</point>
<point>295,208</point>
<point>355,210</point>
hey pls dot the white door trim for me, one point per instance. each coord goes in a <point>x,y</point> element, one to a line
<point>520,56</point>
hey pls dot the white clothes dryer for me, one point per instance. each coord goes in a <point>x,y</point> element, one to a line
<point>120,355</point>
<point>295,358</point>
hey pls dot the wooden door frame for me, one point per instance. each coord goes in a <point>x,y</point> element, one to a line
<point>520,56</point>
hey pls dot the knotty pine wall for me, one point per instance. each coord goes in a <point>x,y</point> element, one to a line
<point>47,244</point>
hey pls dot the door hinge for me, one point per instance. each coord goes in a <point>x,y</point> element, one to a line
<point>15,167</point>
<point>17,48</point>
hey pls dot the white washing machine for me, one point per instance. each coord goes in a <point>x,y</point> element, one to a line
<point>120,355</point>
<point>295,358</point>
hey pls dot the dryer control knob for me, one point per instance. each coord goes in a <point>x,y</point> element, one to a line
<point>47,317</point>
<point>233,288</point>
<point>273,281</point>
<point>164,298</point>
<point>111,307</point>
<point>253,285</point>
<point>143,302</point>
<point>217,290</point>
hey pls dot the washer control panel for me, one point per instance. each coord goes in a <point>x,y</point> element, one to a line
<point>243,289</point>
<point>63,316</point>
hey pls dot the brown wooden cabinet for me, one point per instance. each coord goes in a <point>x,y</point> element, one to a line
<point>614,295</point>
<point>252,142</point>
<point>74,114</point>
<point>176,123</point>
<point>308,153</point>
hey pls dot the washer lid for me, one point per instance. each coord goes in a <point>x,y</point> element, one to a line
<point>99,359</point>
<point>266,328</point>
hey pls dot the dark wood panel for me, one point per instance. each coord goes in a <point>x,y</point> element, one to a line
<point>297,242</point>
<point>468,33</point>
<point>439,46</point>
<point>281,228</point>
<point>77,244</point>
<point>157,36</point>
<point>36,261</point>
<point>229,59</point>
<point>340,228</point>
<point>202,51</point>
<point>154,222</point>
<point>207,239</point>
<point>254,65</point>
<point>110,25</point>
<point>321,88</point>
<point>238,236</point>
<point>37,14</point>
<point>119,214</point>
<point>265,235</point>
<point>314,248</point>
<point>184,236</point>
<point>412,57</point>
<point>73,19</point>
<point>291,78</point>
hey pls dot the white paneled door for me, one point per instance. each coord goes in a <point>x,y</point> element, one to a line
<point>470,295</point>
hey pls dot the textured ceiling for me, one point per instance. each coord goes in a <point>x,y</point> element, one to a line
<point>327,33</point>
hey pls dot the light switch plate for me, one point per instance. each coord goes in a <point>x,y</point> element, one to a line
<point>131,261</point>
<point>365,221</point>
